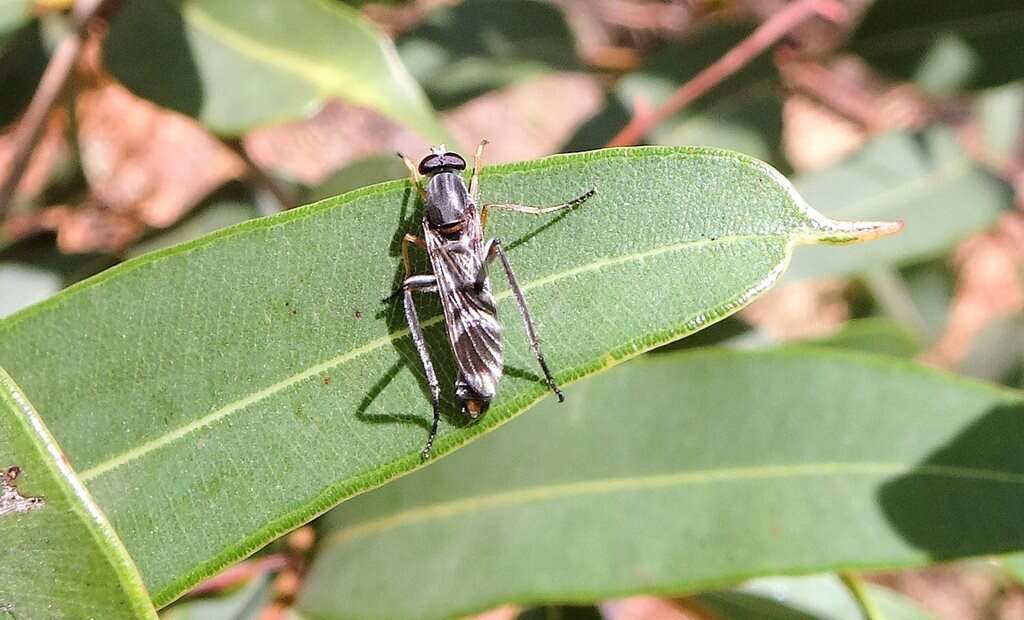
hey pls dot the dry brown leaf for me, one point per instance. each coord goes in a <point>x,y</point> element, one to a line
<point>141,159</point>
<point>536,117</point>
<point>800,310</point>
<point>989,286</point>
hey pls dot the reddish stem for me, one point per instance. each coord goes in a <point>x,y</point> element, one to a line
<point>767,34</point>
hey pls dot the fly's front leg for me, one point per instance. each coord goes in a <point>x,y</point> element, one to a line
<point>414,174</point>
<point>508,206</point>
<point>493,250</point>
<point>474,181</point>
<point>416,331</point>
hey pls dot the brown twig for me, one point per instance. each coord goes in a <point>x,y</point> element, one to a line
<point>51,86</point>
<point>735,59</point>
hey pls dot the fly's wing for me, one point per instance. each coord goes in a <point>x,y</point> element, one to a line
<point>470,314</point>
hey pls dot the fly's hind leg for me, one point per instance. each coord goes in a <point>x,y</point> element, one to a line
<point>508,206</point>
<point>493,250</point>
<point>416,331</point>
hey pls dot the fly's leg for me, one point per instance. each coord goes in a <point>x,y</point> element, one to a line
<point>474,181</point>
<point>416,331</point>
<point>408,240</point>
<point>414,174</point>
<point>493,250</point>
<point>508,206</point>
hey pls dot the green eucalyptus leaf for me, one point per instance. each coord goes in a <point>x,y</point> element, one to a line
<point>60,559</point>
<point>256,379</point>
<point>687,472</point>
<point>926,180</point>
<point>236,65</point>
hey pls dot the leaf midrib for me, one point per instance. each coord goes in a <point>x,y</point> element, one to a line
<point>608,486</point>
<point>119,460</point>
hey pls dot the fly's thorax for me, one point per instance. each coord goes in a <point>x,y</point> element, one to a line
<point>448,200</point>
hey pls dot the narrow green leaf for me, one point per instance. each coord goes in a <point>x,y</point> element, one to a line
<point>684,472</point>
<point>925,180</point>
<point>258,369</point>
<point>236,66</point>
<point>59,559</point>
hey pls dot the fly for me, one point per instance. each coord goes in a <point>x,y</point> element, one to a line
<point>453,229</point>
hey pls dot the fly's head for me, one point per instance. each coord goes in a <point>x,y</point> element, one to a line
<point>448,202</point>
<point>440,160</point>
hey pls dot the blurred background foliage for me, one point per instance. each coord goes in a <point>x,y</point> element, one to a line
<point>179,117</point>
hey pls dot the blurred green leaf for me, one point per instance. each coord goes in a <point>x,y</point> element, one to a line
<point>686,472</point>
<point>244,604</point>
<point>223,209</point>
<point>1000,113</point>
<point>23,57</point>
<point>931,286</point>
<point>1014,564</point>
<point>875,335</point>
<point>743,113</point>
<point>945,46</point>
<point>360,173</point>
<point>13,15</point>
<point>236,65</point>
<point>464,50</point>
<point>59,559</point>
<point>926,180</point>
<point>818,597</point>
<point>258,368</point>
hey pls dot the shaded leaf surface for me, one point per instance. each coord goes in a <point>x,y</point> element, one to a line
<point>926,180</point>
<point>59,559</point>
<point>230,63</point>
<point>256,379</point>
<point>683,472</point>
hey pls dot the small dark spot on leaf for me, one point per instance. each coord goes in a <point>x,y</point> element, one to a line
<point>359,314</point>
<point>12,473</point>
<point>326,379</point>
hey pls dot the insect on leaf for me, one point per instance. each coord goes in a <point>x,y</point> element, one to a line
<point>256,368</point>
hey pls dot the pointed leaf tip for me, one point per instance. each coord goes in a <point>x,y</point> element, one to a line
<point>831,232</point>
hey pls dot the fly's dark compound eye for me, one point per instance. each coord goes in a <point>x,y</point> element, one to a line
<point>454,161</point>
<point>442,162</point>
